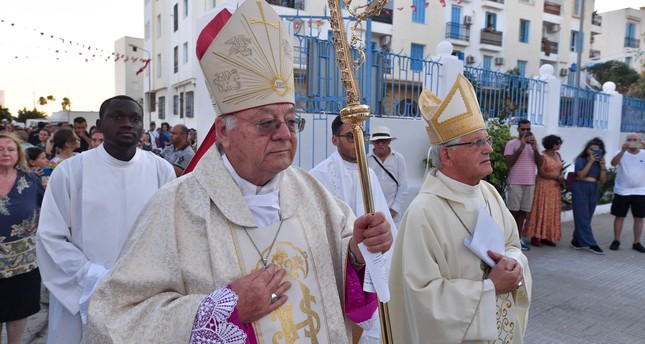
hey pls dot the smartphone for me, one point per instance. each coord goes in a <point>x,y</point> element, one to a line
<point>47,171</point>
<point>635,144</point>
<point>597,153</point>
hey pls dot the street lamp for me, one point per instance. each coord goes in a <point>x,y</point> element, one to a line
<point>147,100</point>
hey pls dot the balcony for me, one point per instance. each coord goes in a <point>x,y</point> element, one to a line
<point>596,19</point>
<point>552,8</point>
<point>594,54</point>
<point>458,31</point>
<point>549,47</point>
<point>631,42</point>
<point>296,4</point>
<point>491,37</point>
<point>495,4</point>
<point>385,16</point>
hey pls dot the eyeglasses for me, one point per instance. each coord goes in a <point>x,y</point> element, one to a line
<point>350,137</point>
<point>477,144</point>
<point>270,126</point>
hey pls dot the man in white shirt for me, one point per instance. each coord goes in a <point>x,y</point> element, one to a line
<point>390,168</point>
<point>90,204</point>
<point>629,189</point>
<point>154,135</point>
<point>339,175</point>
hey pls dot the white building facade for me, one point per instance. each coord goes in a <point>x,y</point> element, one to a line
<point>625,41</point>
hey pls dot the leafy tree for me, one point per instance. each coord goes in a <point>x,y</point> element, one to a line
<point>66,104</point>
<point>637,90</point>
<point>501,133</point>
<point>618,72</point>
<point>24,114</point>
<point>5,114</point>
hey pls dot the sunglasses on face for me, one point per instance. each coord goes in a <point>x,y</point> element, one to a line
<point>350,137</point>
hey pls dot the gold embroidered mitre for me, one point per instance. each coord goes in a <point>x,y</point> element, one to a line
<point>455,116</point>
<point>246,57</point>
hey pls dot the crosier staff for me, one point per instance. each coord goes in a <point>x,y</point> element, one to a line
<point>356,113</point>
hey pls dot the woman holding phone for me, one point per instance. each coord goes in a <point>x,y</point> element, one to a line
<point>590,170</point>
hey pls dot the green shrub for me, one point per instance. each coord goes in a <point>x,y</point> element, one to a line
<point>501,133</point>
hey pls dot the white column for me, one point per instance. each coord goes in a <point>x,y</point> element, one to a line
<point>448,70</point>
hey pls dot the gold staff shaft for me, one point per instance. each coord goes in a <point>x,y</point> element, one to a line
<point>355,114</point>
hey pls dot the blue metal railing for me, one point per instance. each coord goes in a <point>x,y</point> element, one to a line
<point>583,108</point>
<point>633,116</point>
<point>390,85</point>
<point>506,96</point>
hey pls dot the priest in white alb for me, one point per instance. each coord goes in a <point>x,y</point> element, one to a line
<point>90,204</point>
<point>339,175</point>
<point>458,274</point>
<point>251,249</point>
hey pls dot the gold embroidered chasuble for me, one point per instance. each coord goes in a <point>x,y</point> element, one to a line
<point>437,284</point>
<point>189,242</point>
<point>302,319</point>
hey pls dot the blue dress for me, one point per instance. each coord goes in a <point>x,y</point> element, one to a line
<point>585,198</point>
<point>19,276</point>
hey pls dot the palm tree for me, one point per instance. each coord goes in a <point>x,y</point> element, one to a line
<point>66,104</point>
<point>42,101</point>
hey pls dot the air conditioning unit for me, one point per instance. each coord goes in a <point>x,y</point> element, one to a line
<point>553,28</point>
<point>564,71</point>
<point>499,61</point>
<point>468,20</point>
<point>470,59</point>
<point>385,41</point>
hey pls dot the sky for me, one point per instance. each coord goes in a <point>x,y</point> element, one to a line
<point>31,67</point>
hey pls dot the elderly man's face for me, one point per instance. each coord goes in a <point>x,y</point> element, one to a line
<point>382,147</point>
<point>468,163</point>
<point>256,155</point>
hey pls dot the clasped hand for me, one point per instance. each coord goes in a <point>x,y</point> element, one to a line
<point>506,275</point>
<point>254,292</point>
<point>374,231</point>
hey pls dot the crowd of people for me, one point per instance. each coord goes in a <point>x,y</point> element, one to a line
<point>141,236</point>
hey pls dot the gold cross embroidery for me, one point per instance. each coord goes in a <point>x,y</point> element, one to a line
<point>263,20</point>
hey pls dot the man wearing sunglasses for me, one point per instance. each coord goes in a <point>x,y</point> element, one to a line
<point>245,248</point>
<point>522,157</point>
<point>446,283</point>
<point>339,175</point>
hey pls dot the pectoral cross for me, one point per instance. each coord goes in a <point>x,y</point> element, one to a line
<point>263,20</point>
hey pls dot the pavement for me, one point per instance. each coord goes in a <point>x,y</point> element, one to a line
<point>578,297</point>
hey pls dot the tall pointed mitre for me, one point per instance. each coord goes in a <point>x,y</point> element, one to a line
<point>246,56</point>
<point>455,116</point>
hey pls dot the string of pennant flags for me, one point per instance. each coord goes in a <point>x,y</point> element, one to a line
<point>414,7</point>
<point>62,47</point>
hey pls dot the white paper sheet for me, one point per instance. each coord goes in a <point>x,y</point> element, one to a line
<point>375,274</point>
<point>487,236</point>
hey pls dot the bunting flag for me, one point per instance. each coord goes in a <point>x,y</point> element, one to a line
<point>59,48</point>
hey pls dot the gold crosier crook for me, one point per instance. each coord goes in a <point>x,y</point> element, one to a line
<point>355,113</point>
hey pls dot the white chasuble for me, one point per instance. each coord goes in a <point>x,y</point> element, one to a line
<point>301,319</point>
<point>440,292</point>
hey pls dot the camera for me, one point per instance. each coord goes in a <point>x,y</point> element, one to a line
<point>635,145</point>
<point>597,153</point>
